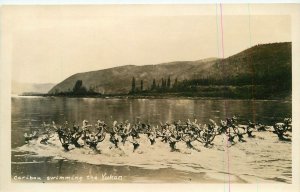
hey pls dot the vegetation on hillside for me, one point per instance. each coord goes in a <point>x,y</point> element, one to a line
<point>260,72</point>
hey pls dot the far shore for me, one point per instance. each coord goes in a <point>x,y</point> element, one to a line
<point>156,96</point>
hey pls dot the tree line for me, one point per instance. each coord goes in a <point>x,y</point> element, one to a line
<point>158,85</point>
<point>243,86</point>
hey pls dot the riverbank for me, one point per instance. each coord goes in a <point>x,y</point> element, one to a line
<point>157,96</point>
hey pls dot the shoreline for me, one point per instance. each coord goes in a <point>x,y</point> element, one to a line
<point>155,97</point>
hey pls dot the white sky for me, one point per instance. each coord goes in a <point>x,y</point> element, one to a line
<point>49,43</point>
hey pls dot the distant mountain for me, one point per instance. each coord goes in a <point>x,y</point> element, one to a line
<point>256,63</point>
<point>20,88</point>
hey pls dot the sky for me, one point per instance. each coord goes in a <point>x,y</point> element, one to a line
<point>47,44</point>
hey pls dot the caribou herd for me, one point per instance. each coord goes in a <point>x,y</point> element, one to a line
<point>168,133</point>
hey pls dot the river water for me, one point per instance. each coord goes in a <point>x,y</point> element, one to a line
<point>262,159</point>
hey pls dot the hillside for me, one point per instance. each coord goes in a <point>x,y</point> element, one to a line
<point>257,62</point>
<point>261,65</point>
<point>118,79</point>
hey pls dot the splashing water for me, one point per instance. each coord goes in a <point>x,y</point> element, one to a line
<point>260,159</point>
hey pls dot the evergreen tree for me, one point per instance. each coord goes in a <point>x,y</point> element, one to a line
<point>153,87</point>
<point>79,88</point>
<point>133,85</point>
<point>169,83</point>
